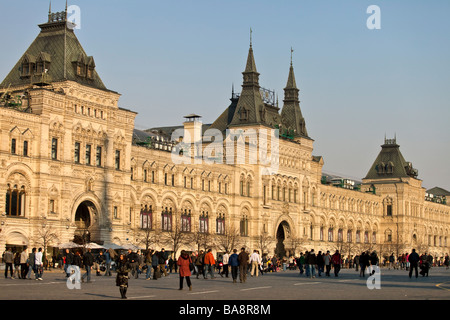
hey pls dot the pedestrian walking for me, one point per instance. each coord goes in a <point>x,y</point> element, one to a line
<point>233,261</point>
<point>155,265</point>
<point>391,261</point>
<point>163,257</point>
<point>31,258</point>
<point>210,263</point>
<point>38,265</point>
<point>123,268</point>
<point>148,264</point>
<point>8,259</point>
<point>185,262</point>
<point>243,264</point>
<point>301,262</point>
<point>199,263</point>
<point>363,263</point>
<point>336,259</point>
<point>99,263</point>
<point>133,259</point>
<point>17,265</point>
<point>255,261</point>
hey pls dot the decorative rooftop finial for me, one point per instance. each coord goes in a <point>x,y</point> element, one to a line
<point>292,51</point>
<point>250,37</point>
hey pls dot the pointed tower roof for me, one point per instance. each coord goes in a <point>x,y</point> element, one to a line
<point>291,114</point>
<point>57,53</point>
<point>250,107</point>
<point>390,163</point>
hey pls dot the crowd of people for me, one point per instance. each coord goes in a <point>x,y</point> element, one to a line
<point>156,263</point>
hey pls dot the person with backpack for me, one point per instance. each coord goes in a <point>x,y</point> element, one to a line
<point>336,259</point>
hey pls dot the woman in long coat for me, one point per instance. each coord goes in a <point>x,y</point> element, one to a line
<point>123,268</point>
<point>184,262</point>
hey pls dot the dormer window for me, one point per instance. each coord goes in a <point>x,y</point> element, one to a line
<point>28,66</point>
<point>243,114</point>
<point>84,67</point>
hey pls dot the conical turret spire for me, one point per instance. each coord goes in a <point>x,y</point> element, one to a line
<point>291,114</point>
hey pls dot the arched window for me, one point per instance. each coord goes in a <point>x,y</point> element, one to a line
<point>166,219</point>
<point>203,222</point>
<point>146,217</point>
<point>186,220</point>
<point>15,201</point>
<point>244,226</point>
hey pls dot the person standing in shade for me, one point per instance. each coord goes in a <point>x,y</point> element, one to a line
<point>233,261</point>
<point>225,261</point>
<point>38,265</point>
<point>312,261</point>
<point>413,263</point>
<point>243,265</point>
<point>88,261</point>
<point>320,263</point>
<point>23,263</point>
<point>327,262</point>
<point>337,262</point>
<point>31,258</point>
<point>123,268</point>
<point>184,262</point>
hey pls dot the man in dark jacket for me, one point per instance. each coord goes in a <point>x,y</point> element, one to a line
<point>68,262</point>
<point>133,260</point>
<point>312,261</point>
<point>243,264</point>
<point>88,261</point>
<point>414,261</point>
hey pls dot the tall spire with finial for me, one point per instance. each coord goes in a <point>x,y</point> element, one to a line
<point>291,113</point>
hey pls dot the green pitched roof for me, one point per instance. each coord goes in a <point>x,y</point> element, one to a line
<point>390,163</point>
<point>58,45</point>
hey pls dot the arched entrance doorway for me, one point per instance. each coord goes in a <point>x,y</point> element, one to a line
<point>283,232</point>
<point>83,215</point>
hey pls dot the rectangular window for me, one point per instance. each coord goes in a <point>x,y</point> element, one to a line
<point>173,180</point>
<point>389,210</point>
<point>13,146</point>
<point>25,148</point>
<point>98,157</point>
<point>88,154</point>
<point>54,149</point>
<point>116,213</point>
<point>77,152</point>
<point>145,175</point>
<point>153,176</point>
<point>52,206</point>
<point>117,162</point>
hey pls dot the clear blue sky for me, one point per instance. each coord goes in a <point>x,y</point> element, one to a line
<point>172,58</point>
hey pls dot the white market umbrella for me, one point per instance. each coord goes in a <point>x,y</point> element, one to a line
<point>69,245</point>
<point>93,245</point>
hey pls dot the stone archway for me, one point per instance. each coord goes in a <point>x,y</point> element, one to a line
<point>283,232</point>
<point>83,220</point>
